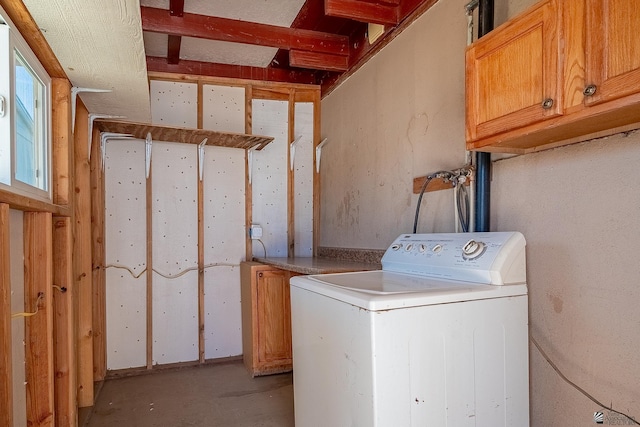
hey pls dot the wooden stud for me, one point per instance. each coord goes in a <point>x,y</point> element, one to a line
<point>276,93</point>
<point>38,289</point>
<point>82,257</point>
<point>98,274</point>
<point>6,366</point>
<point>248,193</point>
<point>149,222</point>
<point>61,141</point>
<point>201,346</point>
<point>291,227</point>
<point>66,410</point>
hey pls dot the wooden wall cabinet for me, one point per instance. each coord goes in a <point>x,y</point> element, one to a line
<point>266,318</point>
<point>512,75</point>
<point>613,49</point>
<point>562,72</point>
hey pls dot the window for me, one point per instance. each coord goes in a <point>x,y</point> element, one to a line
<point>24,117</point>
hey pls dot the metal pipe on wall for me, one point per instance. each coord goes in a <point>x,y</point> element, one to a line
<point>483,160</point>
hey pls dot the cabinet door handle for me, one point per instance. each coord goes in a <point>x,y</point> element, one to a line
<point>547,103</point>
<point>260,274</point>
<point>590,90</point>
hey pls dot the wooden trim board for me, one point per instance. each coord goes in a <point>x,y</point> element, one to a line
<point>82,257</point>
<point>65,392</point>
<point>98,276</point>
<point>6,366</point>
<point>38,290</point>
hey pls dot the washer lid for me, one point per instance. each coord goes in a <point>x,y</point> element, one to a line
<point>382,290</point>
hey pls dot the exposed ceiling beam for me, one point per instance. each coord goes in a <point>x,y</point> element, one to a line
<point>157,64</point>
<point>231,30</point>
<point>318,61</point>
<point>376,12</point>
<point>173,49</point>
<point>176,8</point>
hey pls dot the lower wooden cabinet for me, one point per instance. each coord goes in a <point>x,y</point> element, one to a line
<point>266,318</point>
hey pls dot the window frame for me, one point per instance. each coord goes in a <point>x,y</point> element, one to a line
<point>12,46</point>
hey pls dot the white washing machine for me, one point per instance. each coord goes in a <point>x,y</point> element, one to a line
<point>438,337</point>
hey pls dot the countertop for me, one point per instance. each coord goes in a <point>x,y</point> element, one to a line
<point>318,265</point>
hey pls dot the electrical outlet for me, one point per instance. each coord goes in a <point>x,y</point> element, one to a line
<point>255,232</point>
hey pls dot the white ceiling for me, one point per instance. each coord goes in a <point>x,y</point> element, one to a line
<point>100,44</point>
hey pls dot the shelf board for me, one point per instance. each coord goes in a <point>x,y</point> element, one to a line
<point>184,135</point>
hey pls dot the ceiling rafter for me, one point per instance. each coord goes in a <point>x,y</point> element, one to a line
<point>377,12</point>
<point>270,74</point>
<point>176,8</point>
<point>326,43</point>
<point>231,30</point>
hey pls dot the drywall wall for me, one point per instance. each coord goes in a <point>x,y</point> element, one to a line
<point>16,251</point>
<point>578,208</point>
<point>399,117</point>
<point>402,115</point>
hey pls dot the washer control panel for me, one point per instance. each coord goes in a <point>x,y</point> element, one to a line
<point>487,258</point>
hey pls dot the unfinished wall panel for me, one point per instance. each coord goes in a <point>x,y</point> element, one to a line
<point>174,103</point>
<point>224,231</point>
<point>125,224</point>
<point>16,250</point>
<point>223,108</point>
<point>303,179</point>
<point>175,238</point>
<point>269,177</point>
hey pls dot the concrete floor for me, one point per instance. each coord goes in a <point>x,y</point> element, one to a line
<point>209,395</point>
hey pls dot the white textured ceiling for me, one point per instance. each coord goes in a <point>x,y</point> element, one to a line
<point>100,44</point>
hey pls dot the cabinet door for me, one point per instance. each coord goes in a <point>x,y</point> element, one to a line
<point>273,317</point>
<point>613,49</point>
<point>513,76</point>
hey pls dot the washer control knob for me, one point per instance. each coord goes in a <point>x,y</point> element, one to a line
<point>396,246</point>
<point>437,248</point>
<point>422,248</point>
<point>472,249</point>
<point>408,247</point>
